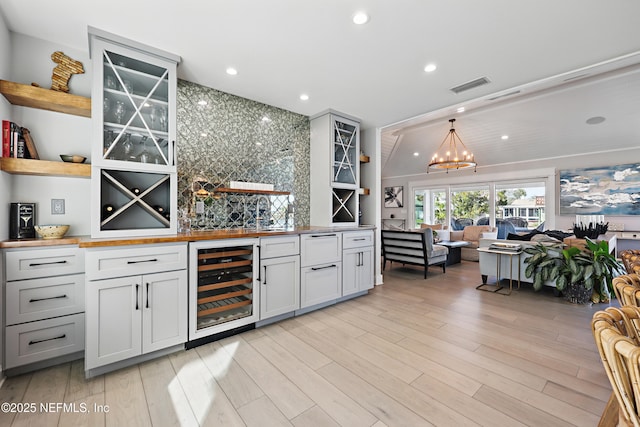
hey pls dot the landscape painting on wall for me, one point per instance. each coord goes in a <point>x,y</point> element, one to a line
<point>608,190</point>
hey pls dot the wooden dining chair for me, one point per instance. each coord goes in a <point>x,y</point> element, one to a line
<point>627,289</point>
<point>616,335</point>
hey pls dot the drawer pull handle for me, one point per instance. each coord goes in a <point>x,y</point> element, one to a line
<point>360,239</point>
<point>32,342</point>
<point>144,260</point>
<point>44,299</point>
<point>323,235</point>
<point>36,264</point>
<point>323,268</point>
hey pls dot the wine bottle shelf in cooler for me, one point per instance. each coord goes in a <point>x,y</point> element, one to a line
<point>225,285</point>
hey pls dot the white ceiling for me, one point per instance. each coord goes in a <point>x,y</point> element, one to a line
<point>283,48</point>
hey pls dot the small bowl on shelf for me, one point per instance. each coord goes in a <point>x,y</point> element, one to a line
<point>72,158</point>
<point>52,231</point>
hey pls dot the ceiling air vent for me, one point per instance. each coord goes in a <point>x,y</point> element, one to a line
<point>470,85</point>
<point>515,92</point>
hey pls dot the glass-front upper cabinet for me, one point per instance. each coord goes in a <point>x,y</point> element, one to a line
<point>133,105</point>
<point>346,140</point>
<point>134,173</point>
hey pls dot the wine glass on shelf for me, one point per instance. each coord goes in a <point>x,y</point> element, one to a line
<point>106,107</point>
<point>120,111</point>
<point>127,146</point>
<point>144,156</point>
<point>153,116</point>
<point>163,119</point>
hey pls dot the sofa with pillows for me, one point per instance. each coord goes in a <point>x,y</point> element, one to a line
<point>488,261</point>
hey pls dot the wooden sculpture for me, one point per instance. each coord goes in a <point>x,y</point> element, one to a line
<point>63,71</point>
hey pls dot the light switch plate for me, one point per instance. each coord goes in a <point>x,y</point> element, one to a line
<point>57,206</point>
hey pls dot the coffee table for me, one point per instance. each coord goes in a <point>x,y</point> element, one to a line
<point>455,250</point>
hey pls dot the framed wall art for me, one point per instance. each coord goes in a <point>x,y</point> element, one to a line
<point>607,190</point>
<point>393,197</point>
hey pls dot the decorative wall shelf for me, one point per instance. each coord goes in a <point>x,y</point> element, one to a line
<point>44,167</point>
<point>45,99</point>
<point>244,191</point>
<point>364,159</point>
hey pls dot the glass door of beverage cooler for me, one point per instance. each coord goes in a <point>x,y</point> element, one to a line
<point>137,111</point>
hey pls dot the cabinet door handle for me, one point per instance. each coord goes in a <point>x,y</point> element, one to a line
<point>144,260</point>
<point>265,275</point>
<point>323,235</point>
<point>137,291</point>
<point>359,259</point>
<point>147,304</point>
<point>32,342</point>
<point>323,268</point>
<point>36,264</point>
<point>44,299</point>
<point>174,153</point>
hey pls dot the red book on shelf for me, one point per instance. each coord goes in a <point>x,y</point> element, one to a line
<point>6,138</point>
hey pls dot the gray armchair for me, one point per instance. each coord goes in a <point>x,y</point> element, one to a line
<point>413,247</point>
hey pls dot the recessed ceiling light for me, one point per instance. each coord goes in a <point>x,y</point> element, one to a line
<point>416,154</point>
<point>304,97</point>
<point>430,67</point>
<point>360,18</point>
<point>504,137</point>
<point>202,102</point>
<point>232,71</point>
<point>460,110</point>
<point>265,119</point>
<point>203,134</point>
<point>595,120</point>
<point>259,144</point>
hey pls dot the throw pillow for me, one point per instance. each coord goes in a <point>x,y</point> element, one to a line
<point>544,238</point>
<point>472,232</point>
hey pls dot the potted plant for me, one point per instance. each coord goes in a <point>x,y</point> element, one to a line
<point>574,272</point>
<point>605,268</point>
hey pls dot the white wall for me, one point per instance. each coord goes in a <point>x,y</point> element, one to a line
<point>370,178</point>
<point>518,170</point>
<point>5,178</point>
<point>5,114</point>
<point>53,134</point>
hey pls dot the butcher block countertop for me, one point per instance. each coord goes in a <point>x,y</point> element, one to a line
<point>194,236</point>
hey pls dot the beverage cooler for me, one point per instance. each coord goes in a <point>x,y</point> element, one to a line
<point>223,291</point>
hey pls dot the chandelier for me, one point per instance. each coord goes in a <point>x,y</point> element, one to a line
<point>448,155</point>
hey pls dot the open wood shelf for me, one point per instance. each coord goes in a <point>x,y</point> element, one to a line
<point>46,99</point>
<point>242,190</point>
<point>44,167</point>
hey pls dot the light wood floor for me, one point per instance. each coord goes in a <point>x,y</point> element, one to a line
<point>413,352</point>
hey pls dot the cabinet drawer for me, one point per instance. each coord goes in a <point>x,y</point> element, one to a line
<point>320,284</point>
<point>44,339</point>
<point>32,263</point>
<point>38,299</point>
<point>135,260</point>
<point>273,247</point>
<point>320,248</point>
<point>357,239</point>
<point>630,235</point>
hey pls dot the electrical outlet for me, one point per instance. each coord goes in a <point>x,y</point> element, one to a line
<point>199,207</point>
<point>57,206</point>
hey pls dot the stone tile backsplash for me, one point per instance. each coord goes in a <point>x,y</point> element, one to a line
<point>223,138</point>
